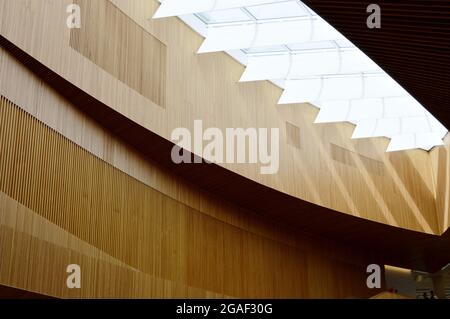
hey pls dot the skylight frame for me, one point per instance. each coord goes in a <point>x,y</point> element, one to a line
<point>242,55</point>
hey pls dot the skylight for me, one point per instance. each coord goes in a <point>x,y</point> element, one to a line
<point>285,42</point>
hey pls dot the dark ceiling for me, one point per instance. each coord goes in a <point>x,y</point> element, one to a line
<point>412,45</point>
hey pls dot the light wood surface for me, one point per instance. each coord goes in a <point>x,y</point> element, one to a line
<point>59,204</point>
<point>440,159</point>
<point>389,295</point>
<point>70,191</point>
<point>362,180</point>
<point>138,59</point>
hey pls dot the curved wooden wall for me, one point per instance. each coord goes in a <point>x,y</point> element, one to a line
<point>326,167</point>
<point>59,205</point>
<point>72,192</point>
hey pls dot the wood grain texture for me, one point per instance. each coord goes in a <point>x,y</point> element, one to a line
<point>440,159</point>
<point>293,135</point>
<point>60,204</point>
<point>398,247</point>
<point>123,48</point>
<point>205,87</point>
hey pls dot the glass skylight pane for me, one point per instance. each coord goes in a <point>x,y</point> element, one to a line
<point>224,16</point>
<point>387,127</point>
<point>179,7</point>
<point>297,50</point>
<point>428,140</point>
<point>381,86</point>
<point>401,142</point>
<point>344,43</point>
<point>271,33</point>
<point>336,88</point>
<point>224,4</point>
<point>354,61</point>
<point>231,37</point>
<point>311,46</point>
<point>415,125</point>
<point>301,91</point>
<point>224,38</point>
<point>324,31</point>
<point>269,49</point>
<point>365,109</point>
<point>332,111</point>
<point>437,127</point>
<point>329,62</point>
<point>266,68</point>
<point>286,9</point>
<point>314,63</point>
<point>182,7</point>
<point>364,128</point>
<point>402,106</point>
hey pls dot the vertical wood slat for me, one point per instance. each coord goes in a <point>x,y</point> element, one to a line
<point>138,225</point>
<point>121,47</point>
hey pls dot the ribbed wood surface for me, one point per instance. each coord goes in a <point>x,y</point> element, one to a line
<point>205,87</point>
<point>63,205</point>
<point>122,48</point>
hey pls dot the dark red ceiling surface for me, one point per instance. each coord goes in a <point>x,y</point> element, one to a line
<point>412,45</point>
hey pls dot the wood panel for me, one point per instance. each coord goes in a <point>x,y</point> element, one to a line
<point>346,156</point>
<point>441,168</point>
<point>398,247</point>
<point>205,87</point>
<point>125,230</point>
<point>293,135</point>
<point>122,48</point>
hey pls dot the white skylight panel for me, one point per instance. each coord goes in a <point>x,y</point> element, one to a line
<point>354,61</point>
<point>170,8</point>
<point>267,50</point>
<point>285,42</point>
<point>339,87</point>
<point>312,45</point>
<point>402,106</point>
<point>332,88</point>
<point>402,142</point>
<point>301,91</point>
<point>344,43</point>
<point>315,63</point>
<point>364,128</point>
<point>286,9</point>
<point>225,4</point>
<point>266,68</point>
<point>436,126</point>
<point>267,33</point>
<point>365,109</point>
<point>225,16</point>
<point>330,62</point>
<point>381,85</point>
<point>225,38</point>
<point>427,141</point>
<point>277,32</point>
<point>387,127</point>
<point>333,111</point>
<point>415,125</point>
